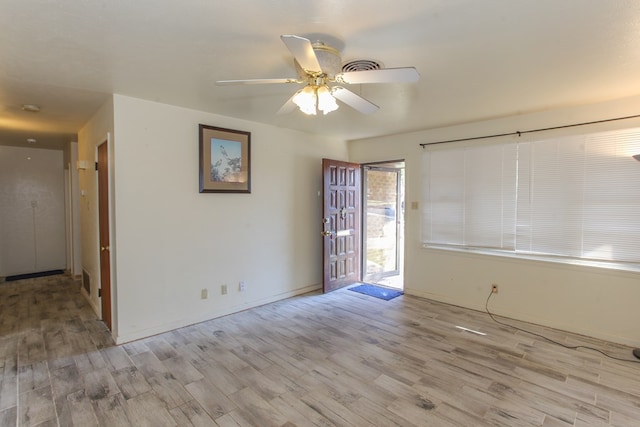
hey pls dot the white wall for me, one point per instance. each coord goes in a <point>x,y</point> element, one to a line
<point>32,210</point>
<point>597,302</point>
<point>171,242</point>
<point>94,133</point>
<point>74,212</point>
<point>72,207</point>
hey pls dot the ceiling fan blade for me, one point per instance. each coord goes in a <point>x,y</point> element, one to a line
<point>354,101</point>
<point>302,51</point>
<point>386,75</point>
<point>255,81</point>
<point>288,106</point>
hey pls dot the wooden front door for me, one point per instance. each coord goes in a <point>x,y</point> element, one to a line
<point>103,225</point>
<point>340,224</point>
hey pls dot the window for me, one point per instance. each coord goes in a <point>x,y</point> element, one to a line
<point>471,196</point>
<point>576,197</point>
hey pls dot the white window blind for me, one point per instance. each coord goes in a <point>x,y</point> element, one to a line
<point>550,196</point>
<point>576,197</point>
<point>611,222</point>
<point>471,196</point>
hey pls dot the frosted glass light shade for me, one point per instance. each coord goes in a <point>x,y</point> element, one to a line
<point>326,102</point>
<point>306,100</point>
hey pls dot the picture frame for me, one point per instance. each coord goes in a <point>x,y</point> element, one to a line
<point>225,160</point>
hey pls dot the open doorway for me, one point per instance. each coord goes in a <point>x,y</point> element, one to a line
<point>383,223</point>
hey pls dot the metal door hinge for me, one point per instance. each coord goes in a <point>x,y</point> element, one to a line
<point>96,165</point>
<point>99,292</point>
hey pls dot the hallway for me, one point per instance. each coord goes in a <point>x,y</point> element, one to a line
<point>50,340</point>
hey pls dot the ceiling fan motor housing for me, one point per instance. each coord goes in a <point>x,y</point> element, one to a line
<point>329,59</point>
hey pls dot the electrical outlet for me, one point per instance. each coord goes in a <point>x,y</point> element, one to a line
<point>204,294</point>
<point>223,289</point>
<point>494,288</point>
<point>241,286</point>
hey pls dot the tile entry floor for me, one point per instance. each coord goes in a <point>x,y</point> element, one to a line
<point>342,359</point>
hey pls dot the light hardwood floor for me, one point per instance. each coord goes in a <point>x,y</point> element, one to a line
<point>341,359</point>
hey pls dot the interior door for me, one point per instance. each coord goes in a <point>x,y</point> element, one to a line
<point>340,224</point>
<point>103,225</point>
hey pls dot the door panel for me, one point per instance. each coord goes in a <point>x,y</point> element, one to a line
<point>341,224</point>
<point>103,225</point>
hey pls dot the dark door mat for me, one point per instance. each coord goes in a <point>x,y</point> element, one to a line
<point>32,275</point>
<point>376,291</point>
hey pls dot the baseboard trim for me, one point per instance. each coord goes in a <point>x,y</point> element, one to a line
<point>86,296</point>
<point>524,317</point>
<point>225,311</point>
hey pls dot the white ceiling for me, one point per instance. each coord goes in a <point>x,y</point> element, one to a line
<point>477,59</point>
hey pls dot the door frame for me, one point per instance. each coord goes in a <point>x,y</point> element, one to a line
<point>400,216</point>
<point>103,212</point>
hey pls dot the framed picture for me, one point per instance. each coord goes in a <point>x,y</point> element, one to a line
<point>225,161</point>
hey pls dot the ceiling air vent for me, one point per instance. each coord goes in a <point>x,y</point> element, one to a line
<point>361,65</point>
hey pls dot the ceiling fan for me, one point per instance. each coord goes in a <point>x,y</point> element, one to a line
<point>319,70</point>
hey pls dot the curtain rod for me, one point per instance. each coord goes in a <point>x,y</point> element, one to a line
<point>520,133</point>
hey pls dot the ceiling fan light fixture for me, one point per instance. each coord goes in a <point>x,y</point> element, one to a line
<point>318,66</point>
<point>312,98</point>
<point>326,102</point>
<point>306,100</point>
